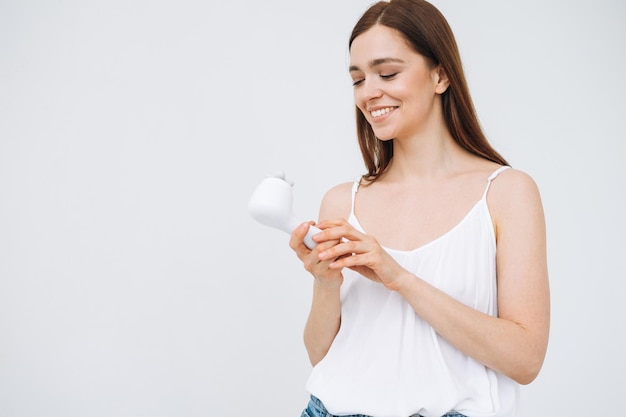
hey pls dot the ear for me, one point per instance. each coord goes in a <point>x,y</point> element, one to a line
<point>441,79</point>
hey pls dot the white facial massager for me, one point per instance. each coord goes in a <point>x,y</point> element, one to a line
<point>271,204</point>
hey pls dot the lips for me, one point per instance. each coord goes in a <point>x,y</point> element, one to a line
<point>381,111</point>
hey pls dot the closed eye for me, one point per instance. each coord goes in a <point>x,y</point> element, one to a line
<point>355,83</point>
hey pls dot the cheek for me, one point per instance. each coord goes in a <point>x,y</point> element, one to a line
<point>408,91</point>
<point>360,104</point>
<point>358,100</point>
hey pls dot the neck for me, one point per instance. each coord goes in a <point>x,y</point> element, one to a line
<point>427,155</point>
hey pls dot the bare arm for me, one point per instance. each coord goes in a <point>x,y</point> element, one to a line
<point>515,342</point>
<point>325,315</point>
<point>323,322</point>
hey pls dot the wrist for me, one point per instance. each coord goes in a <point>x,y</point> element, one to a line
<point>327,284</point>
<point>404,282</point>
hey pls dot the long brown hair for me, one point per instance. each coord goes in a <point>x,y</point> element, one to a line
<point>428,32</point>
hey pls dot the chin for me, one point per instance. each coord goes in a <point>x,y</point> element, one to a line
<point>384,138</point>
<point>383,135</point>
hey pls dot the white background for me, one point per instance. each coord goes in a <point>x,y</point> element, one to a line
<point>134,283</point>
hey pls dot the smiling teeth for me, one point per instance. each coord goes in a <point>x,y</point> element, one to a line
<point>380,112</point>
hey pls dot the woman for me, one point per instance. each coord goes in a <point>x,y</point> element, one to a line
<point>431,291</point>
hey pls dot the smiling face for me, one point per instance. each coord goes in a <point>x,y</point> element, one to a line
<point>396,89</point>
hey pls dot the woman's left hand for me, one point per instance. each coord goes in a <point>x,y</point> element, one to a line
<point>360,252</point>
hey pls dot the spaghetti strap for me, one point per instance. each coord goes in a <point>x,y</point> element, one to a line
<point>493,176</point>
<point>498,171</point>
<point>355,188</point>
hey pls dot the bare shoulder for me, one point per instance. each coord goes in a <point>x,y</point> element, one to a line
<point>511,185</point>
<point>514,194</point>
<point>337,202</point>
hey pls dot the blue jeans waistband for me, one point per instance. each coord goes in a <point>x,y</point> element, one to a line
<point>316,408</point>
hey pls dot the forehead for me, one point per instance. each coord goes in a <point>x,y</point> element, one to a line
<point>377,42</point>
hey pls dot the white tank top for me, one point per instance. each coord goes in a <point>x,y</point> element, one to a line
<point>387,362</point>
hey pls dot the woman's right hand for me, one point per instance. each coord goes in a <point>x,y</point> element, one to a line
<point>324,276</point>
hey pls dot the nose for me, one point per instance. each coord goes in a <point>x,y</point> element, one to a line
<point>371,90</point>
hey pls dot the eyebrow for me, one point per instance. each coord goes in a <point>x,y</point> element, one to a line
<point>376,62</point>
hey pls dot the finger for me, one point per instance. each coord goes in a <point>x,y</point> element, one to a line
<point>333,233</point>
<point>340,250</point>
<point>325,245</point>
<point>359,262</point>
<point>340,231</point>
<point>296,242</point>
<point>325,224</point>
<point>348,261</point>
